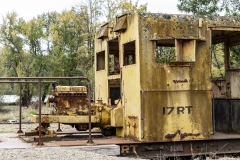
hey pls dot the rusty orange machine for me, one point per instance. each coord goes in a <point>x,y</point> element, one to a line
<point>153,79</point>
<point>69,105</point>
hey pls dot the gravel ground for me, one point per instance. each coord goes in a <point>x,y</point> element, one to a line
<point>33,152</point>
<point>53,153</point>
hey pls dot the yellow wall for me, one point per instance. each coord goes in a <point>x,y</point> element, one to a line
<point>148,87</point>
<point>190,101</point>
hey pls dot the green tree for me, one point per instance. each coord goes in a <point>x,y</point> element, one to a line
<point>215,7</point>
<point>56,44</point>
<point>165,54</point>
<point>88,19</point>
<point>210,7</point>
<point>127,6</point>
<point>235,56</point>
<point>218,68</point>
<point>66,37</point>
<point>113,8</point>
<point>22,50</point>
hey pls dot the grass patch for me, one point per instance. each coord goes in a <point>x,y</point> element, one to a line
<point>32,112</point>
<point>11,112</point>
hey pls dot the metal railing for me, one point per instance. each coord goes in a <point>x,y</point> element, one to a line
<point>39,81</point>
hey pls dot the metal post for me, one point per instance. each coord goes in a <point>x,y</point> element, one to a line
<point>39,80</point>
<point>89,115</point>
<point>59,129</point>
<point>213,113</point>
<point>39,113</point>
<point>20,111</point>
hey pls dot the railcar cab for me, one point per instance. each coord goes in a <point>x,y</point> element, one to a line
<point>159,74</point>
<point>225,78</point>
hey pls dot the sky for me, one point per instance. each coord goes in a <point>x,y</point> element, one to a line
<point>28,9</point>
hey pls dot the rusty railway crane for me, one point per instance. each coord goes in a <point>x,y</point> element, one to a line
<point>154,84</point>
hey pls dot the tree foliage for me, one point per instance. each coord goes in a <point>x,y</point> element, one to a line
<point>218,69</point>
<point>22,49</point>
<point>235,56</point>
<point>115,8</point>
<point>210,7</point>
<point>215,7</point>
<point>165,54</point>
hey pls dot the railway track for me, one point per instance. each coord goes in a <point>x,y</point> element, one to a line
<point>15,123</point>
<point>214,148</point>
<point>32,136</point>
<point>221,145</point>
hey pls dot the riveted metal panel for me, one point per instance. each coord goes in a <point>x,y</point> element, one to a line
<point>185,50</point>
<point>117,117</point>
<point>234,84</point>
<point>181,87</point>
<point>227,113</point>
<point>176,115</point>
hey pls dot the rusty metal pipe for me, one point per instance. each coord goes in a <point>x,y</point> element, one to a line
<point>20,82</point>
<point>59,128</point>
<point>142,114</point>
<point>36,78</point>
<point>20,111</point>
<point>89,115</point>
<point>39,81</point>
<point>213,113</point>
<point>39,113</point>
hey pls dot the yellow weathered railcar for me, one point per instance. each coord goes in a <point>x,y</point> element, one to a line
<point>154,80</point>
<point>156,70</point>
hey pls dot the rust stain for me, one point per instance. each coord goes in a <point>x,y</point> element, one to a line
<point>132,117</point>
<point>189,134</point>
<point>170,137</point>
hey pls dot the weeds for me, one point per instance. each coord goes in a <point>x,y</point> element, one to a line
<point>32,112</point>
<point>12,112</point>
